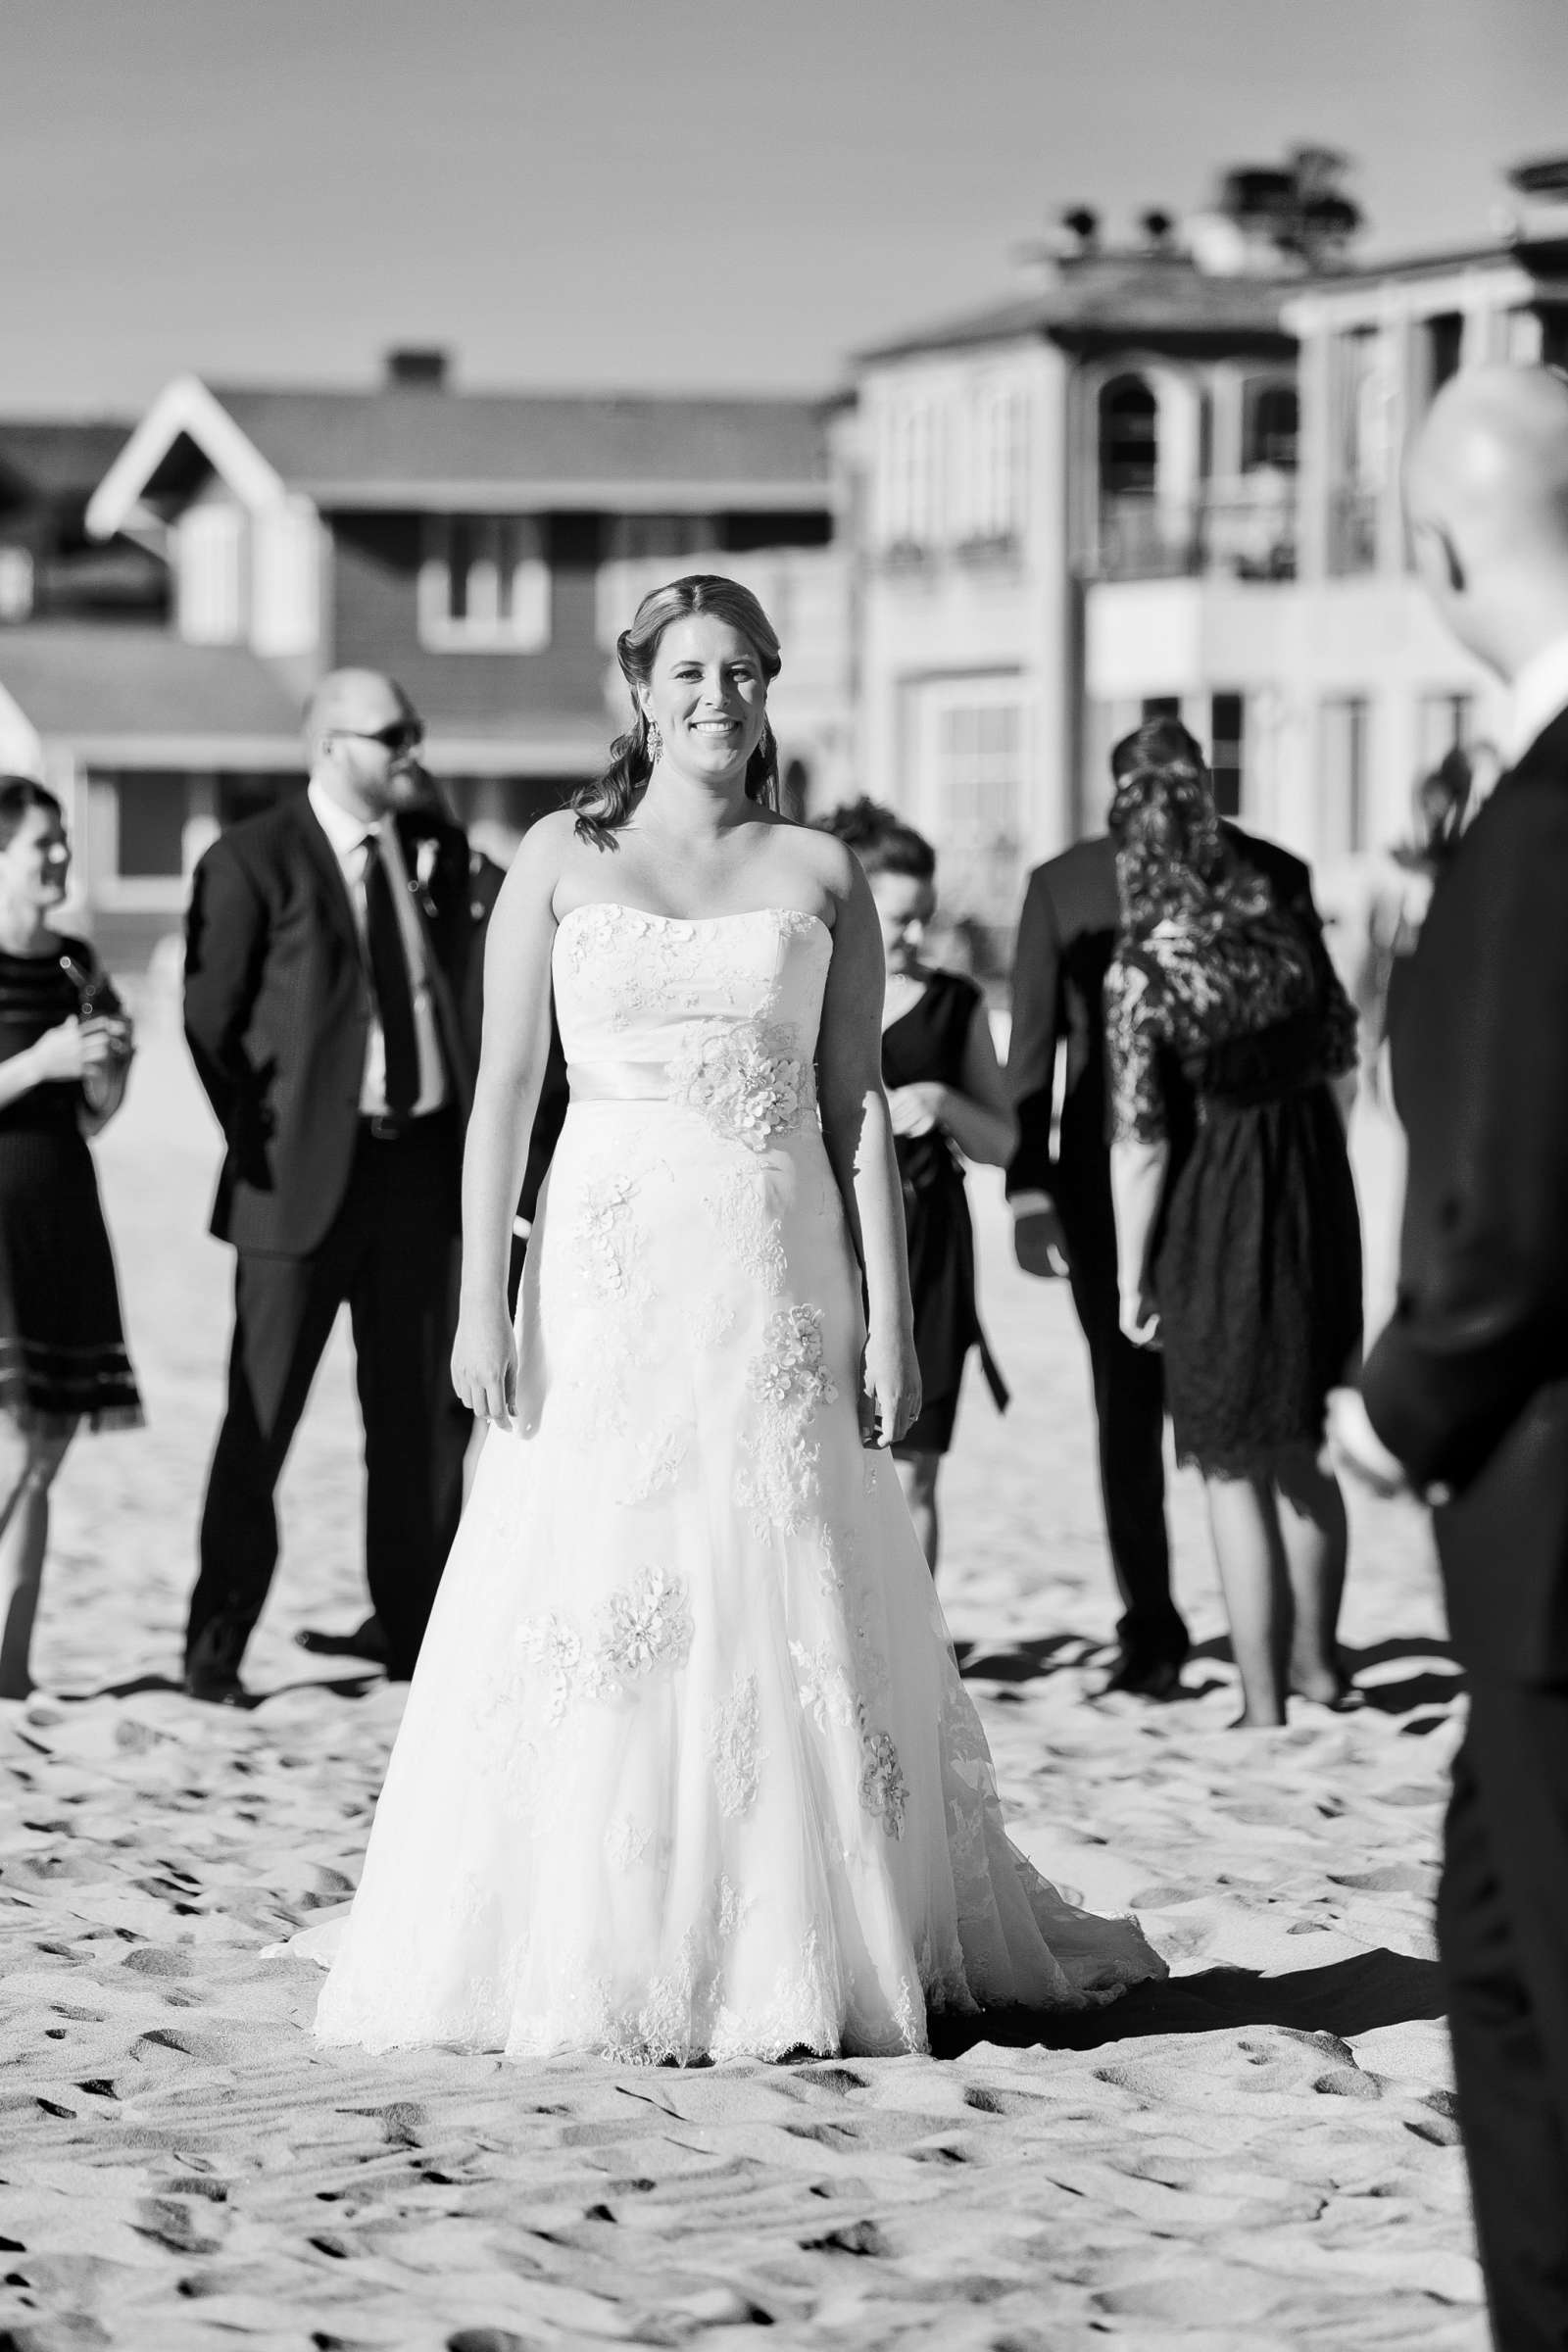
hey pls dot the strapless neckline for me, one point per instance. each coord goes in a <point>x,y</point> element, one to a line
<point>742,914</point>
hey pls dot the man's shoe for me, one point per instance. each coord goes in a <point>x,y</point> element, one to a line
<point>367,1640</point>
<point>215,1687</point>
<point>1143,1678</point>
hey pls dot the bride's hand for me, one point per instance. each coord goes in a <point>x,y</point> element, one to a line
<point>484,1361</point>
<point>889,1388</point>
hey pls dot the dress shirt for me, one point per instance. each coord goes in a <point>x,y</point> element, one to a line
<point>352,844</point>
<point>1539,694</point>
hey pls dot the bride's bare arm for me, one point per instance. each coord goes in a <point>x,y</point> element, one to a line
<point>512,1063</point>
<point>857,1133</point>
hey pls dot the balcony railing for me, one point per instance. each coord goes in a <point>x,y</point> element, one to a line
<point>1244,529</point>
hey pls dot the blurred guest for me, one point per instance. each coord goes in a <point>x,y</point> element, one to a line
<point>1063,1223</point>
<point>320,1018</point>
<point>65,1052</point>
<point>1238,1248</point>
<point>948,1103</point>
<point>1373,905</point>
<point>1466,1393</point>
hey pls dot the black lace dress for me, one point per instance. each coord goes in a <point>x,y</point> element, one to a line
<point>1222,1040</point>
<point>61,1343</point>
<point>927,1043</point>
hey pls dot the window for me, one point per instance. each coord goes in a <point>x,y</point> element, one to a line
<point>1129,423</point>
<point>1362,453</point>
<point>1445,721</point>
<point>485,585</point>
<point>1442,342</point>
<point>1554,340</point>
<point>971,797</point>
<point>210,560</point>
<point>1342,776</point>
<point>636,538</point>
<point>1521,338</point>
<point>152,807</point>
<point>1271,428</point>
<point>907,493</point>
<point>1227,722</point>
<point>16,584</point>
<point>285,616</point>
<point>988,490</point>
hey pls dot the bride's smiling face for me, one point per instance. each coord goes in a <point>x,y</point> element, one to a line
<point>708,696</point>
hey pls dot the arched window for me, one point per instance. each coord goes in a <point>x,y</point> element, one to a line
<point>1273,423</point>
<point>1129,460</point>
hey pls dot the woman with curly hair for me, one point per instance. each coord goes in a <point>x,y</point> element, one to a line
<point>948,1105</point>
<point>1238,1242</point>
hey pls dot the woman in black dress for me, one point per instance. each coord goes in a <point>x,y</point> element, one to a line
<point>65,1048</point>
<point>948,1103</point>
<point>1238,1242</point>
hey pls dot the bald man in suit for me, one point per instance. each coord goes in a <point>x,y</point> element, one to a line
<point>1465,1395</point>
<point>320,1015</point>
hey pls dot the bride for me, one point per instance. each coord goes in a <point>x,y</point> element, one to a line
<point>687,1770</point>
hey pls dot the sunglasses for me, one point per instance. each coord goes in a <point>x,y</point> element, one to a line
<point>397,736</point>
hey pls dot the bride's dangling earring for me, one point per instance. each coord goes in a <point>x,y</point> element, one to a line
<point>654,742</point>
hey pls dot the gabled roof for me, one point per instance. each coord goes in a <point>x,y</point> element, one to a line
<point>95,685</point>
<point>424,447</point>
<point>1128,296</point>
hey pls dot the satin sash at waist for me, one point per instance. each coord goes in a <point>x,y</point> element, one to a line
<point>620,1081</point>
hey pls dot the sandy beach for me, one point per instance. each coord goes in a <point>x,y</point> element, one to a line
<point>1261,2153</point>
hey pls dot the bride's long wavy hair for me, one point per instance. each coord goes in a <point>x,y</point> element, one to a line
<point>1173,860</point>
<point>603,805</point>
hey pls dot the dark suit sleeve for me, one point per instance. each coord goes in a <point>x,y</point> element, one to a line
<point>1483,1320</point>
<point>225,936</point>
<point>1036,1029</point>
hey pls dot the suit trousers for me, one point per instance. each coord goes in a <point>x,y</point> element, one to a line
<point>1130,1416</point>
<point>1502,1930</point>
<point>389,1255</point>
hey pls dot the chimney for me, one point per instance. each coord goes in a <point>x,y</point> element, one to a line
<point>417,367</point>
<point>1083,226</point>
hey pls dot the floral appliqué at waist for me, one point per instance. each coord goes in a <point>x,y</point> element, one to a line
<point>748,1080</point>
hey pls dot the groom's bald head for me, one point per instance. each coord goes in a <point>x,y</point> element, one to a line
<point>1486,494</point>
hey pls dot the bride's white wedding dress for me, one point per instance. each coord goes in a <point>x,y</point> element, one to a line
<point>687,1768</point>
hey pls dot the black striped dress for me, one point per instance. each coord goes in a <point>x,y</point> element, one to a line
<point>61,1345</point>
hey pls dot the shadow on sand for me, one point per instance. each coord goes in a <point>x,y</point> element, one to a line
<point>1346,1996</point>
<point>1431,1676</point>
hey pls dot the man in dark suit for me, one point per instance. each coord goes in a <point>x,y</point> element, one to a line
<point>1466,1393</point>
<point>322,1023</point>
<point>458,886</point>
<point>1063,1220</point>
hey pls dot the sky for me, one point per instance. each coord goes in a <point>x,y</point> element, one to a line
<point>671,194</point>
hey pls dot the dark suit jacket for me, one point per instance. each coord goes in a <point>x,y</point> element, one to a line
<point>1468,1384</point>
<point>1067,940</point>
<point>277,1009</point>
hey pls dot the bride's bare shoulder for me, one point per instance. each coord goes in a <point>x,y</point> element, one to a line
<point>816,868</point>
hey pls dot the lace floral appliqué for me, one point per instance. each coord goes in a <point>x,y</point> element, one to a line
<point>644,1628</point>
<point>748,1079</point>
<point>788,1377</point>
<point>734,1750</point>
